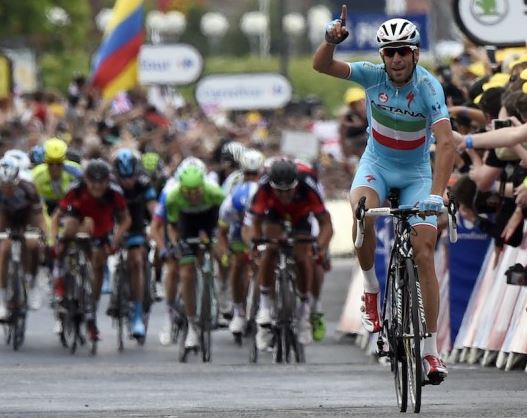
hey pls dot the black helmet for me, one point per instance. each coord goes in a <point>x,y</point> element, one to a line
<point>97,170</point>
<point>283,175</point>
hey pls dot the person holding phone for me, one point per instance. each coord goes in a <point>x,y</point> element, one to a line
<point>406,110</point>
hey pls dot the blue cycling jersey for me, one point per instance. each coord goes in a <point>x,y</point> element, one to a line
<point>400,118</point>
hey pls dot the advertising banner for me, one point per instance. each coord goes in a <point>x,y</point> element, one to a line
<point>493,22</point>
<point>243,92</point>
<point>179,64</point>
<point>6,79</point>
<point>466,258</point>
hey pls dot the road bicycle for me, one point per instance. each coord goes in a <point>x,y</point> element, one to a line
<point>403,318</point>
<point>77,305</point>
<point>16,291</point>
<point>207,305</point>
<point>121,299</point>
<point>284,328</point>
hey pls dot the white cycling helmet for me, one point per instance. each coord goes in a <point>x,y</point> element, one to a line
<point>232,152</point>
<point>252,160</point>
<point>194,161</point>
<point>397,31</point>
<point>24,163</point>
<point>8,170</point>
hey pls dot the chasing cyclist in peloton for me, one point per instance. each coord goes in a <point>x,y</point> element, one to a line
<point>91,206</point>
<point>140,198</point>
<point>285,195</point>
<point>20,207</point>
<point>192,207</point>
<point>406,111</point>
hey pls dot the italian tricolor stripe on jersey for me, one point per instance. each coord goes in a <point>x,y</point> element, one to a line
<point>397,134</point>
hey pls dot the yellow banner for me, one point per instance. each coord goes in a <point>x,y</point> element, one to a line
<point>5,77</point>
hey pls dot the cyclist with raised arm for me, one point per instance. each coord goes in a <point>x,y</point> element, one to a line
<point>91,205</point>
<point>284,195</point>
<point>406,111</point>
<point>20,207</point>
<point>192,208</point>
<point>140,198</point>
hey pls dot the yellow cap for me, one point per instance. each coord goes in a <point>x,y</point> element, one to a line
<point>477,99</point>
<point>502,54</point>
<point>55,150</point>
<point>523,74</point>
<point>253,118</point>
<point>517,61</point>
<point>354,94</point>
<point>477,68</point>
<point>497,80</point>
<point>524,88</point>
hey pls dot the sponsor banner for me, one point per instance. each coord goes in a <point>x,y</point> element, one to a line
<point>363,31</point>
<point>243,92</point>
<point>25,69</point>
<point>493,22</point>
<point>466,257</point>
<point>179,64</point>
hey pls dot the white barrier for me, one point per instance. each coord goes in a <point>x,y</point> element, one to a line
<point>342,218</point>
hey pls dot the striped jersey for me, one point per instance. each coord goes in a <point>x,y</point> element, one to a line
<point>400,118</point>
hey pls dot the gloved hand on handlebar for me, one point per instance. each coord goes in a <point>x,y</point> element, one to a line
<point>433,203</point>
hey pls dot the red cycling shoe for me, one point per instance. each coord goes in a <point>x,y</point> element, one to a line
<point>435,369</point>
<point>370,312</point>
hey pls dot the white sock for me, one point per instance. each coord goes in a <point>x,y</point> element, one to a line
<point>265,301</point>
<point>371,283</point>
<point>430,345</point>
<point>316,305</point>
<point>238,309</point>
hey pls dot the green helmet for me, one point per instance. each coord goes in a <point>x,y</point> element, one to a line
<point>192,177</point>
<point>151,162</point>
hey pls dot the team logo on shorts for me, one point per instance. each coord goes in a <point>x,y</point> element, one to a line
<point>383,97</point>
<point>369,178</point>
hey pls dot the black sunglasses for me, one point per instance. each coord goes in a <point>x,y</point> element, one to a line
<point>403,51</point>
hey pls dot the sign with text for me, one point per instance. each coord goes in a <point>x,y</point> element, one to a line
<point>6,77</point>
<point>493,22</point>
<point>169,64</point>
<point>363,31</point>
<point>243,92</point>
<point>300,144</point>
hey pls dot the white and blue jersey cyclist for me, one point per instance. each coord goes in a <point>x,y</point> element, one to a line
<point>400,121</point>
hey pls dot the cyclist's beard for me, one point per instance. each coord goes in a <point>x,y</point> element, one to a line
<point>407,79</point>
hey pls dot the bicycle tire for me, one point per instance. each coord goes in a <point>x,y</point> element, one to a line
<point>413,343</point>
<point>205,318</point>
<point>395,338</point>
<point>120,305</point>
<point>182,335</point>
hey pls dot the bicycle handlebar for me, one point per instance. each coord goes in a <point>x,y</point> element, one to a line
<point>361,212</point>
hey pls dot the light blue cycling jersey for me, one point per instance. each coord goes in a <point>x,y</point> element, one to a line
<point>400,123</point>
<point>400,118</point>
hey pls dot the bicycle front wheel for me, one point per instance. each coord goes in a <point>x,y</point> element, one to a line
<point>413,337</point>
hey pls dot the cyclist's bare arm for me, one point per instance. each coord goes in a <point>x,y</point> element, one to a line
<point>444,156</point>
<point>323,60</point>
<point>326,230</point>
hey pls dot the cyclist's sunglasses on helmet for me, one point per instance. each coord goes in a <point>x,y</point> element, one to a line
<point>284,187</point>
<point>191,190</point>
<point>403,51</point>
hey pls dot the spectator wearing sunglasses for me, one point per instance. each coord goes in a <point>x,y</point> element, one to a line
<point>406,112</point>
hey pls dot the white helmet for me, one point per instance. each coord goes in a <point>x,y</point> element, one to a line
<point>24,163</point>
<point>232,152</point>
<point>194,161</point>
<point>397,31</point>
<point>252,160</point>
<point>8,170</point>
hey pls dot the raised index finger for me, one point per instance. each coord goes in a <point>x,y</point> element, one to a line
<point>343,15</point>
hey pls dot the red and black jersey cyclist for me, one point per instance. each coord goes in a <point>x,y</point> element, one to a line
<point>140,197</point>
<point>92,205</point>
<point>285,195</point>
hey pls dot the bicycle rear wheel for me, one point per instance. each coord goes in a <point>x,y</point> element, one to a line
<point>413,341</point>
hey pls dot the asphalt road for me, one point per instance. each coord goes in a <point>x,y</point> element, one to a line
<point>43,379</point>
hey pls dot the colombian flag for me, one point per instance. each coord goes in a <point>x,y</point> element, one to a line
<point>115,64</point>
